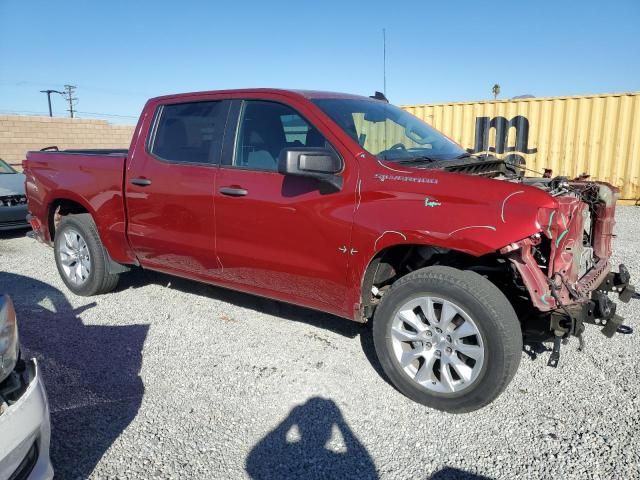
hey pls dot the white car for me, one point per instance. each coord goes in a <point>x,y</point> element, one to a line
<point>25,430</point>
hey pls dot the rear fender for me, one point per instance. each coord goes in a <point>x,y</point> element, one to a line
<point>111,232</point>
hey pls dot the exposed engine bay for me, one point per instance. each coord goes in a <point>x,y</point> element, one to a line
<point>564,270</point>
<point>591,194</point>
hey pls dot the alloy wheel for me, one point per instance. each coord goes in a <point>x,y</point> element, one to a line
<point>437,344</point>
<point>75,257</point>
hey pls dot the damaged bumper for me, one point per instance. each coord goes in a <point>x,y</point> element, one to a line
<point>25,433</point>
<point>585,301</point>
<point>601,310</point>
<point>550,292</point>
<point>565,267</point>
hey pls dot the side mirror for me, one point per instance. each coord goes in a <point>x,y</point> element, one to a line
<point>321,163</point>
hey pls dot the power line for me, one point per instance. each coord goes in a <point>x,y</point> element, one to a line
<point>106,114</point>
<point>92,88</point>
<point>22,112</point>
<point>30,112</point>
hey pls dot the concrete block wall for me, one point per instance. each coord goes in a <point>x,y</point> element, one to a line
<point>19,134</point>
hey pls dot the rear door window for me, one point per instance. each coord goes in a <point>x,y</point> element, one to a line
<point>190,132</point>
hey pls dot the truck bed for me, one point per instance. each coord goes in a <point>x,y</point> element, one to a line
<point>97,151</point>
<point>90,178</point>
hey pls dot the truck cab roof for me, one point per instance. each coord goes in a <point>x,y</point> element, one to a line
<point>245,92</point>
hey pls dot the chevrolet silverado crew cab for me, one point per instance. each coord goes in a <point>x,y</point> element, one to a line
<point>348,205</point>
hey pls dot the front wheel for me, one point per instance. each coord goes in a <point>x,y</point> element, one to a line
<point>81,258</point>
<point>447,338</point>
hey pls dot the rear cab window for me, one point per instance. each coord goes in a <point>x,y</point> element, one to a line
<point>189,133</point>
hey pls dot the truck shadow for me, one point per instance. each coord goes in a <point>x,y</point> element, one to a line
<point>313,441</point>
<point>91,372</point>
<point>138,277</point>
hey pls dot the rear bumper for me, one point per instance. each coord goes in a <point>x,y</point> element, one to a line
<point>26,432</point>
<point>37,232</point>
<point>13,217</point>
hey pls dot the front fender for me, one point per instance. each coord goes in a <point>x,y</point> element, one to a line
<point>473,215</point>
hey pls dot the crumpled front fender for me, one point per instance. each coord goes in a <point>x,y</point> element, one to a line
<point>469,214</point>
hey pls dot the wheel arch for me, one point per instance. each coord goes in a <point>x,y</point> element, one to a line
<point>62,206</point>
<point>399,259</point>
<point>389,263</point>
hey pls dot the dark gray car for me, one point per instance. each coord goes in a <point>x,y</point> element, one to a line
<point>13,202</point>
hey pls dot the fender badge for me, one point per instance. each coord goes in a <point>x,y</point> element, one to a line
<point>431,202</point>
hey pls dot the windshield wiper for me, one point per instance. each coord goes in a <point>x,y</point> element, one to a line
<point>420,159</point>
<point>477,156</point>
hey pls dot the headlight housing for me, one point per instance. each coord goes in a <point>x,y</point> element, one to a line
<point>9,348</point>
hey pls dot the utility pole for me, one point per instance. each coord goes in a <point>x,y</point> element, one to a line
<point>49,92</point>
<point>69,91</point>
<point>384,61</point>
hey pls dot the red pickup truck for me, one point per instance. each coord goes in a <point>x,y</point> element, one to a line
<point>348,205</point>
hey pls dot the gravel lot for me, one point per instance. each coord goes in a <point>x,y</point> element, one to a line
<point>167,378</point>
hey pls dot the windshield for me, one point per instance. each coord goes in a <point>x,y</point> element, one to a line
<point>389,132</point>
<point>5,167</point>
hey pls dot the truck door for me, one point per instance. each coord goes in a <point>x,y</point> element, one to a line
<point>276,234</point>
<point>169,188</point>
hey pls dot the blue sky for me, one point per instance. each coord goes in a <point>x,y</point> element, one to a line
<point>119,53</point>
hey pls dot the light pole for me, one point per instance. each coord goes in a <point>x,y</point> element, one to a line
<point>49,92</point>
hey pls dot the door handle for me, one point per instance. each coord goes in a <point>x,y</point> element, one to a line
<point>142,182</point>
<point>233,192</point>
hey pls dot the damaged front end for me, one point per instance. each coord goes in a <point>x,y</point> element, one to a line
<point>565,268</point>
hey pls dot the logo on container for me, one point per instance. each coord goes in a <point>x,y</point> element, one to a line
<point>502,127</point>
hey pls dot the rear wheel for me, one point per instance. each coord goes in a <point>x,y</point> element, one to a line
<point>447,338</point>
<point>81,258</point>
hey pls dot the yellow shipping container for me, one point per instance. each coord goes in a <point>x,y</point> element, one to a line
<point>596,134</point>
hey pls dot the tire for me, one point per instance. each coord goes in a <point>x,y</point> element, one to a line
<point>89,251</point>
<point>434,371</point>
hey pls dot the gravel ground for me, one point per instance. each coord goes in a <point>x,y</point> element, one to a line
<point>167,378</point>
